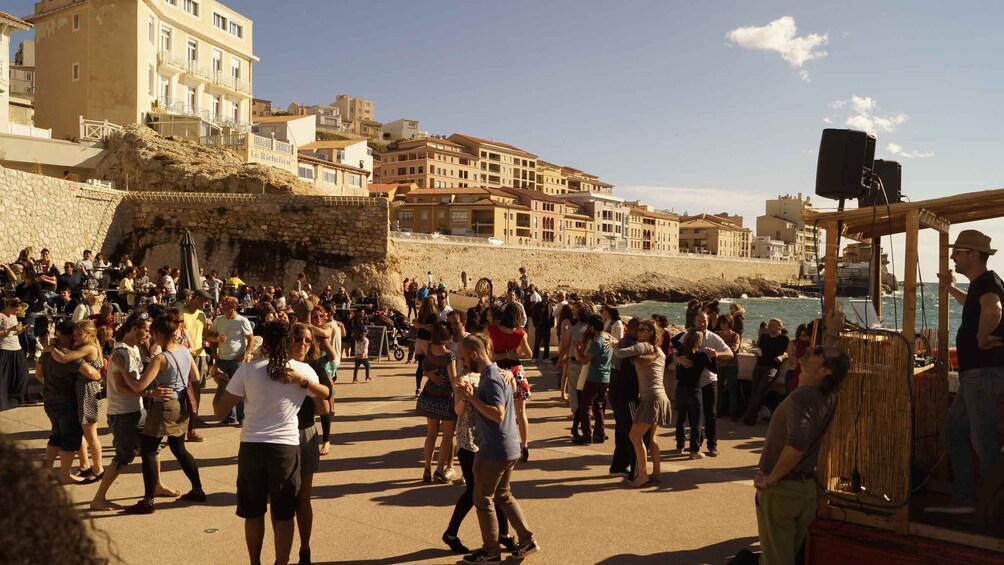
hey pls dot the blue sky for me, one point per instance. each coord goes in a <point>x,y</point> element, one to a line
<point>657,97</point>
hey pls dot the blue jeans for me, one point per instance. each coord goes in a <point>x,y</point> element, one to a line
<point>689,406</point>
<point>229,367</point>
<point>974,417</point>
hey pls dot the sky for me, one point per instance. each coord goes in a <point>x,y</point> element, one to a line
<point>689,106</point>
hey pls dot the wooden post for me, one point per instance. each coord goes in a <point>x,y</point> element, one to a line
<point>943,304</point>
<point>830,268</point>
<point>876,275</point>
<point>908,327</point>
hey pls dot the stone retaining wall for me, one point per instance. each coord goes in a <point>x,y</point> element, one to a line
<point>551,268</point>
<point>45,212</point>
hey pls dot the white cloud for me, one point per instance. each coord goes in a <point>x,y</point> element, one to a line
<point>827,121</point>
<point>898,150</point>
<point>862,115</point>
<point>780,36</point>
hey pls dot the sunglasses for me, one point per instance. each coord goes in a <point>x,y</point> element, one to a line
<point>136,320</point>
<point>306,340</point>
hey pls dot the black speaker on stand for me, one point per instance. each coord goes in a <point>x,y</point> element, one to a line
<point>844,168</point>
<point>891,174</point>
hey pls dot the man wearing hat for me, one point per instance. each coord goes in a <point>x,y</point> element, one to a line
<point>980,342</point>
<point>196,330</point>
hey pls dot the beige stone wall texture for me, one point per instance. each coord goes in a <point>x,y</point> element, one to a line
<point>44,212</point>
<point>583,270</point>
<point>342,241</point>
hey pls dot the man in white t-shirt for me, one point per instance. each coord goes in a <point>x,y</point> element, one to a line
<point>235,337</point>
<point>715,347</point>
<point>443,302</point>
<point>268,463</point>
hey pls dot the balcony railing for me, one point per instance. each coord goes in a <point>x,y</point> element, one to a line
<point>175,106</point>
<point>93,130</point>
<point>216,76</point>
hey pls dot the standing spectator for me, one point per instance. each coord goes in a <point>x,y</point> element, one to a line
<point>524,279</point>
<point>521,320</point>
<point>213,284</point>
<point>411,299</point>
<point>738,318</point>
<point>13,366</point>
<point>598,355</point>
<point>773,347</point>
<point>728,369</point>
<point>443,304</point>
<point>612,323</point>
<point>498,451</point>
<point>197,329</point>
<point>693,307</point>
<point>362,349</point>
<point>235,338</point>
<point>427,316</point>
<point>30,292</point>
<point>268,463</point>
<point>540,316</point>
<point>785,480</point>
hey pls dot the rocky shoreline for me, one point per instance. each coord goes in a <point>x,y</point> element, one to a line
<point>663,288</point>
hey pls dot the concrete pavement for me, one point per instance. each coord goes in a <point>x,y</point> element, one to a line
<point>371,506</point>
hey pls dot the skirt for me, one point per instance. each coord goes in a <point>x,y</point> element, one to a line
<point>165,419</point>
<point>522,391</point>
<point>87,400</point>
<point>654,410</point>
<point>13,379</point>
<point>436,403</point>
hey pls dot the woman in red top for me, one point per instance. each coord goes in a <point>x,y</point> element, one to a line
<point>105,318</point>
<point>509,345</point>
<point>797,349</point>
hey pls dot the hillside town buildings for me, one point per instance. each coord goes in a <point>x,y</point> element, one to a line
<point>9,25</point>
<point>712,234</point>
<point>784,221</point>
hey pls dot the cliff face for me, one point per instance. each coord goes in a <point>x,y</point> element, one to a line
<point>664,288</point>
<point>140,159</point>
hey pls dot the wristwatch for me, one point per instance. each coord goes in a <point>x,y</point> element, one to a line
<point>305,383</point>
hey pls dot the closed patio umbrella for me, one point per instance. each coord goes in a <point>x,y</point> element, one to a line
<point>189,264</point>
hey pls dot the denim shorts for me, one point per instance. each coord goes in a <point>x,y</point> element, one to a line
<point>125,436</point>
<point>67,434</point>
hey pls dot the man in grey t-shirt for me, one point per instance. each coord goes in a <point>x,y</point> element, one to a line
<point>498,451</point>
<point>785,481</point>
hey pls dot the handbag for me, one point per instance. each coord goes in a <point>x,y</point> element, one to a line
<point>186,396</point>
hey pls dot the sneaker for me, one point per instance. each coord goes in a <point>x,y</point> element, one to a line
<point>228,421</point>
<point>456,546</point>
<point>508,543</point>
<point>954,506</point>
<point>525,550</point>
<point>482,556</point>
<point>713,452</point>
<point>696,455</point>
<point>621,473</point>
<point>440,477</point>
<point>141,507</point>
<point>194,495</point>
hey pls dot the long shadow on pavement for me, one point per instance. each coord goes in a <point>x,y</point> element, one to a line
<point>714,554</point>
<point>421,555</point>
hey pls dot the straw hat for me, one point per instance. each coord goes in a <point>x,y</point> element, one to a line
<point>974,240</point>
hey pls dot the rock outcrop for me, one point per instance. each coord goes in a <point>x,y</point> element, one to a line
<point>663,288</point>
<point>140,159</point>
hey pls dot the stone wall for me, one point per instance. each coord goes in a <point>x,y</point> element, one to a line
<point>583,270</point>
<point>342,241</point>
<point>45,212</point>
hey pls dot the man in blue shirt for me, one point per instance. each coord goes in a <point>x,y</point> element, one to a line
<point>498,451</point>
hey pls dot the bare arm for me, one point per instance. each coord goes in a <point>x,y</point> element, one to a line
<point>89,372</point>
<point>494,413</point>
<point>785,463</point>
<point>641,348</point>
<point>148,375</point>
<point>990,318</point>
<point>193,373</point>
<point>73,355</point>
<point>224,403</point>
<point>524,348</point>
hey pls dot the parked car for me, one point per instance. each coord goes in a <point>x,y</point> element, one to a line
<point>495,241</point>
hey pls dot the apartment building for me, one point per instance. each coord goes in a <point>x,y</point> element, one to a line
<point>500,164</point>
<point>22,71</point>
<point>432,162</point>
<point>332,179</point>
<point>402,129</point>
<point>550,178</point>
<point>650,230</point>
<point>354,109</point>
<point>580,181</point>
<point>579,227</point>
<point>476,212</point>
<point>766,248</point>
<point>9,25</point>
<point>260,107</point>
<point>547,214</point>
<point>784,220</point>
<point>295,130</point>
<point>351,152</point>
<point>327,117</point>
<point>127,60</point>
<point>609,215</point>
<point>715,235</point>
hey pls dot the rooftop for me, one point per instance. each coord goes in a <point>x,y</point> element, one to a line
<point>495,143</point>
<point>333,144</point>
<point>278,119</point>
<point>17,22</point>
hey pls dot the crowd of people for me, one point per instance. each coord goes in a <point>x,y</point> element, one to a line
<point>146,347</point>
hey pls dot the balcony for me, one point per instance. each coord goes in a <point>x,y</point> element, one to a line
<point>182,108</point>
<point>256,149</point>
<point>214,76</point>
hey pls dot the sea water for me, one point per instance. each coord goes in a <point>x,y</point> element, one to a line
<point>795,311</point>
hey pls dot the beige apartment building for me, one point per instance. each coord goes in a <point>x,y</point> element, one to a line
<point>715,235</point>
<point>431,162</point>
<point>332,179</point>
<point>125,60</point>
<point>547,214</point>
<point>580,181</point>
<point>474,212</point>
<point>579,227</point>
<point>260,107</point>
<point>9,25</point>
<point>500,164</point>
<point>650,230</point>
<point>784,220</point>
<point>556,179</point>
<point>352,108</point>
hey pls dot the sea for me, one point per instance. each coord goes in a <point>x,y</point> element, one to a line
<point>795,311</point>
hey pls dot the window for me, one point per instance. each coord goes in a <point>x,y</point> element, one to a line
<point>75,72</point>
<point>219,21</point>
<point>76,22</point>
<point>151,31</point>
<point>165,89</point>
<point>172,2</point>
<point>235,67</point>
<point>236,29</point>
<point>405,216</point>
<point>458,216</point>
<point>217,60</point>
<point>190,100</point>
<point>152,80</point>
<point>193,50</point>
<point>305,172</point>
<point>217,103</point>
<point>165,38</point>
<point>192,7</point>
<point>330,177</point>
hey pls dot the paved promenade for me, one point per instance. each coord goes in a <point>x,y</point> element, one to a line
<point>371,507</point>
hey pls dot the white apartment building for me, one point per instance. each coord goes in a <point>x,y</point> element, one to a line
<point>610,217</point>
<point>399,130</point>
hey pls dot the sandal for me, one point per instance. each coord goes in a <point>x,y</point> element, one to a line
<point>325,448</point>
<point>193,436</point>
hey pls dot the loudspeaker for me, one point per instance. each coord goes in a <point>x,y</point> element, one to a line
<point>891,174</point>
<point>845,163</point>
